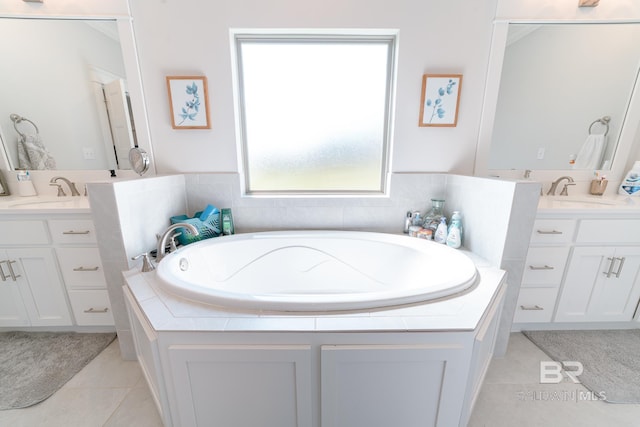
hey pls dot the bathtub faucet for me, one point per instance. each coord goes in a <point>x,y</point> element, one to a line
<point>162,240</point>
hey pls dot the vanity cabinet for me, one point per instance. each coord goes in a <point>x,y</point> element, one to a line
<point>50,272</point>
<point>586,273</point>
<point>544,269</point>
<point>82,270</point>
<point>31,293</point>
<point>602,284</point>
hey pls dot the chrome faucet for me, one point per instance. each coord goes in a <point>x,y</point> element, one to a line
<point>162,240</point>
<point>554,186</point>
<point>71,185</point>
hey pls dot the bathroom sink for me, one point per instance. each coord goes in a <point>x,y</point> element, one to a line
<point>584,200</point>
<point>50,203</point>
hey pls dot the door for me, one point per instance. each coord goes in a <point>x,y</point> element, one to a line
<point>12,309</point>
<point>601,285</point>
<point>38,281</point>
<point>119,121</point>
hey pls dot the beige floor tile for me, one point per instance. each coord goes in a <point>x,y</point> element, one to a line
<point>137,409</point>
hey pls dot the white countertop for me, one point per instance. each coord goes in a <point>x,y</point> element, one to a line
<point>44,204</point>
<point>167,312</point>
<point>614,204</point>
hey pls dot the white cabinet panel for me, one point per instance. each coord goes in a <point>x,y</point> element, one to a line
<point>380,386</point>
<point>607,231</point>
<point>548,231</point>
<point>272,382</point>
<point>602,284</point>
<point>535,305</point>
<point>545,266</point>
<point>76,231</point>
<point>35,275</point>
<point>28,232</point>
<point>91,307</point>
<point>81,267</point>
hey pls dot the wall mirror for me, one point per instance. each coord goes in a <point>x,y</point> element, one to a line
<point>68,99</point>
<point>562,96</point>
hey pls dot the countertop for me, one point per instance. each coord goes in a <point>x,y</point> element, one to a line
<point>44,204</point>
<point>588,204</point>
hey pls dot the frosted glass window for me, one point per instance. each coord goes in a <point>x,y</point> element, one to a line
<point>314,112</point>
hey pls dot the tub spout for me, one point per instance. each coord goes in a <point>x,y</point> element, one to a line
<point>162,240</point>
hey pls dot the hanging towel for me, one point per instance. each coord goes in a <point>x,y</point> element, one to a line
<point>590,155</point>
<point>33,155</point>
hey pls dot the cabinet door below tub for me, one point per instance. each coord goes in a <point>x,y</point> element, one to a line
<point>241,385</point>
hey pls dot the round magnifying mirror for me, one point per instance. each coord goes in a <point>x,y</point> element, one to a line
<point>139,160</point>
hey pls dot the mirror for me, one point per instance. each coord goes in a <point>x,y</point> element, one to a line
<point>560,83</point>
<point>65,101</point>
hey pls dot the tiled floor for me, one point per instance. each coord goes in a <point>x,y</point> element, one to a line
<point>112,392</point>
<point>107,392</point>
<point>513,396</point>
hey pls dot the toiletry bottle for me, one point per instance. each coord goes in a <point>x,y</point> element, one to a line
<point>630,185</point>
<point>441,231</point>
<point>408,222</point>
<point>454,235</point>
<point>432,218</point>
<point>25,186</point>
<point>227,222</point>
<point>416,219</point>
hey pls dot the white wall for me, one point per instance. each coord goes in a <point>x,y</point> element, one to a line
<point>66,7</point>
<point>192,37</point>
<point>567,9</point>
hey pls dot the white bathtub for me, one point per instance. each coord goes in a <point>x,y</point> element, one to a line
<point>315,271</point>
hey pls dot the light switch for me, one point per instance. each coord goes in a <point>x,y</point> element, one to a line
<point>540,153</point>
<point>89,153</point>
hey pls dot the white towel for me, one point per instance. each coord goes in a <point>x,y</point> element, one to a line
<point>590,155</point>
<point>33,155</point>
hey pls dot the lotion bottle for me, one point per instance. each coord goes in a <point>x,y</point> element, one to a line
<point>454,235</point>
<point>441,231</point>
<point>630,185</point>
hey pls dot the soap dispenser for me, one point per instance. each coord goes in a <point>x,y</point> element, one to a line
<point>441,231</point>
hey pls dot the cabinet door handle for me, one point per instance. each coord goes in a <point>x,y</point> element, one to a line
<point>528,307</point>
<point>610,271</point>
<point>545,267</point>
<point>86,269</point>
<point>549,232</point>
<point>3,276</point>
<point>93,310</point>
<point>76,232</point>
<point>617,273</point>
<point>13,274</point>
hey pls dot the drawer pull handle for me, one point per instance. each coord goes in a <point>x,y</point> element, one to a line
<point>545,267</point>
<point>3,276</point>
<point>528,307</point>
<point>93,310</point>
<point>86,269</point>
<point>76,232</point>
<point>14,276</point>
<point>617,273</point>
<point>609,272</point>
<point>549,232</point>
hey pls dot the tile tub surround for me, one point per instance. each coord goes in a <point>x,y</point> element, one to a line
<point>497,216</point>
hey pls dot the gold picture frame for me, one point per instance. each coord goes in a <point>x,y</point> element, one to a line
<point>189,102</point>
<point>440,100</point>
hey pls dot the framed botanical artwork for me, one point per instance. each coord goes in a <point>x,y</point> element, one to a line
<point>188,100</point>
<point>440,99</point>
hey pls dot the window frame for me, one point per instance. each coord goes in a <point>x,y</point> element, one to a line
<point>388,37</point>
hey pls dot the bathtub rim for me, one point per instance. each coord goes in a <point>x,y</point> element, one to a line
<point>309,304</point>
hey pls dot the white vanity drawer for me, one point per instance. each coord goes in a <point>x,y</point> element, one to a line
<point>91,308</point>
<point>79,231</point>
<point>81,267</point>
<point>535,305</point>
<point>553,230</point>
<point>544,266</point>
<point>23,233</point>
<point>609,231</point>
